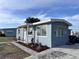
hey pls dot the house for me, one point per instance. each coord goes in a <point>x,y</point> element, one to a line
<point>54,32</point>
<point>8,32</point>
<point>76,33</point>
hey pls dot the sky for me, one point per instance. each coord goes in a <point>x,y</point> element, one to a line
<point>14,12</point>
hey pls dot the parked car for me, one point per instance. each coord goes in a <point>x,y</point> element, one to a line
<point>73,39</point>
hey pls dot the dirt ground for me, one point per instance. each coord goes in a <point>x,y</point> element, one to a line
<point>9,51</point>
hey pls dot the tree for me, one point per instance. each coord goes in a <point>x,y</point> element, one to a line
<point>32,20</point>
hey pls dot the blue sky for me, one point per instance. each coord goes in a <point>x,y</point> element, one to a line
<point>14,12</point>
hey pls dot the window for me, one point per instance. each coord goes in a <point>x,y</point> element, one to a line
<point>59,32</point>
<point>30,31</point>
<point>18,31</point>
<point>42,30</point>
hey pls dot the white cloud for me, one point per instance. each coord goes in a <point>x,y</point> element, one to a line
<point>26,4</point>
<point>42,16</point>
<point>7,18</point>
<point>74,20</point>
<point>10,20</point>
<point>8,6</point>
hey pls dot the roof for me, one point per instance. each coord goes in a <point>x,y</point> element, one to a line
<point>49,21</point>
<point>22,26</point>
<point>53,20</point>
<point>7,28</point>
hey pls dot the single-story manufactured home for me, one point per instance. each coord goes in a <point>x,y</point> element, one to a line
<point>53,32</point>
<point>8,32</point>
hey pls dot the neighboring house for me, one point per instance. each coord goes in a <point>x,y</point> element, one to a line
<point>54,32</point>
<point>9,32</point>
<point>75,34</point>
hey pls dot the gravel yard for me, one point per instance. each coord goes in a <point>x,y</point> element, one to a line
<point>9,51</point>
<point>61,55</point>
<point>61,52</point>
<point>70,50</point>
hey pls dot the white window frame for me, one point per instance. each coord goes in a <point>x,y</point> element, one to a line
<point>31,30</point>
<point>59,32</point>
<point>18,31</point>
<point>41,31</point>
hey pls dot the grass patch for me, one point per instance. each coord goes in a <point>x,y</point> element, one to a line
<point>7,39</point>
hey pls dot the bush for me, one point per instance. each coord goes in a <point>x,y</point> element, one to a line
<point>35,46</point>
<point>2,35</point>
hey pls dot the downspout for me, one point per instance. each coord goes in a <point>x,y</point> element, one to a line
<point>34,27</point>
<point>27,32</point>
<point>23,34</point>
